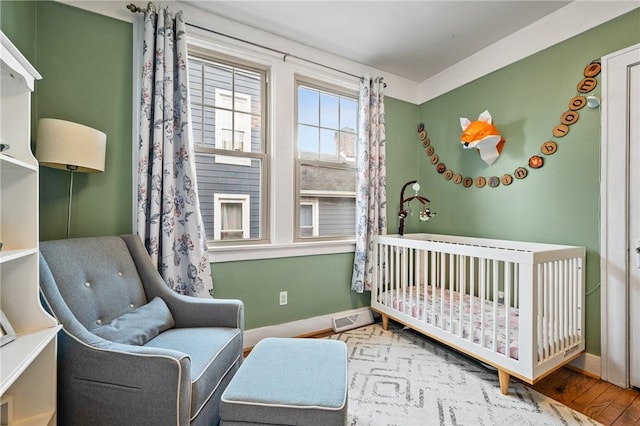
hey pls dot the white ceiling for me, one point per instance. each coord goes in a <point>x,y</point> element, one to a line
<point>411,39</point>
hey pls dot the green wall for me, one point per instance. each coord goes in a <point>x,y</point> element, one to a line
<point>85,60</point>
<point>558,203</point>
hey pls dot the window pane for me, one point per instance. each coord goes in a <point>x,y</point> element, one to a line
<point>242,125</point>
<point>329,111</point>
<point>337,216</point>
<point>227,114</point>
<point>306,215</point>
<point>225,177</point>
<point>216,76</point>
<point>231,216</point>
<point>209,127</point>
<point>249,84</point>
<point>308,106</point>
<point>328,145</point>
<point>347,149</point>
<point>348,114</point>
<point>308,142</point>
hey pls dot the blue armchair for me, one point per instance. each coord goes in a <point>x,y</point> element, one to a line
<point>132,351</point>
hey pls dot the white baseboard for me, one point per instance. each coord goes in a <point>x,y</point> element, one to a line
<point>589,364</point>
<point>295,328</point>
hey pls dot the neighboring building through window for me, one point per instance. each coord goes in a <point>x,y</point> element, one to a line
<point>228,112</point>
<point>233,213</point>
<point>326,162</point>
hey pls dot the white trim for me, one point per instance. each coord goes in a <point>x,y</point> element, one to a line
<point>335,194</point>
<point>588,363</point>
<point>614,190</point>
<point>296,328</point>
<point>223,253</point>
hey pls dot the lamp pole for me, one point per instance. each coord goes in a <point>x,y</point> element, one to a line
<point>72,170</point>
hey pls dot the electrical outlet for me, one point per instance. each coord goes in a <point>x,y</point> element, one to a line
<point>283,298</point>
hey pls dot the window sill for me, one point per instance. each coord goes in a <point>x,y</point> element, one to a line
<point>273,251</point>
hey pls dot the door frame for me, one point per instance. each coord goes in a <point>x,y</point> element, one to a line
<point>614,220</point>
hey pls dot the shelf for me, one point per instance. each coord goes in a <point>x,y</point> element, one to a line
<point>9,255</point>
<point>17,355</point>
<point>12,164</point>
<point>41,419</point>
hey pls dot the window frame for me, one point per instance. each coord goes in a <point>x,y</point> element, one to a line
<point>243,158</point>
<point>280,170</point>
<point>313,83</point>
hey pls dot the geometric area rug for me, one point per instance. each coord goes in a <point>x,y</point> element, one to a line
<point>399,377</point>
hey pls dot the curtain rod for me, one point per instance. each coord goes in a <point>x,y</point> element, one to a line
<point>135,9</point>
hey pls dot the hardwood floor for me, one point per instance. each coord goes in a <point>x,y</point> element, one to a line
<point>602,401</point>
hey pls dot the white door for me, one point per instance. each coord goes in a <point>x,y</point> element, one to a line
<point>634,223</point>
<point>620,217</point>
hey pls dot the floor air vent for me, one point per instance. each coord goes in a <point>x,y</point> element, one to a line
<point>352,321</point>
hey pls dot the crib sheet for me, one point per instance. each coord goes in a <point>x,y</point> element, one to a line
<point>413,302</point>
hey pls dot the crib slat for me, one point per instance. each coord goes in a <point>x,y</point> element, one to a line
<point>508,282</point>
<point>495,305</point>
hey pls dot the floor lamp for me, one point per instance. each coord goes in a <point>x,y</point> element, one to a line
<point>70,146</point>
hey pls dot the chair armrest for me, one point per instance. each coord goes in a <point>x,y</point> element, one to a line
<point>157,381</point>
<point>199,312</point>
<point>187,311</point>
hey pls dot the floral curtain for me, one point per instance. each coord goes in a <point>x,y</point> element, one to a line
<point>168,211</point>
<point>371,193</point>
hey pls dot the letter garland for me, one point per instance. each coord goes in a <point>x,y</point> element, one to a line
<point>568,118</point>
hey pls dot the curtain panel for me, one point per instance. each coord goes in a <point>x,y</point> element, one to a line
<point>371,193</point>
<point>167,208</point>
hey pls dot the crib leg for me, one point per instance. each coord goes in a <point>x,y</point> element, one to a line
<point>385,322</point>
<point>503,377</point>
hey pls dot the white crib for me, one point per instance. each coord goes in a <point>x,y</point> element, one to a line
<point>514,305</point>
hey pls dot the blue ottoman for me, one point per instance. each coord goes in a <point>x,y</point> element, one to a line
<point>287,381</point>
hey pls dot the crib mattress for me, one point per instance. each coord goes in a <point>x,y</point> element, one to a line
<point>449,314</point>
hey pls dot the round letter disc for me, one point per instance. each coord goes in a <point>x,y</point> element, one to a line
<point>520,173</point>
<point>480,182</point>
<point>467,182</point>
<point>592,70</point>
<point>549,147</point>
<point>420,127</point>
<point>448,175</point>
<point>423,135</point>
<point>560,130</point>
<point>426,142</point>
<point>570,117</point>
<point>457,179</point>
<point>494,181</point>
<point>577,102</point>
<point>587,84</point>
<point>434,159</point>
<point>535,162</point>
<point>441,168</point>
<point>430,150</point>
<point>507,179</point>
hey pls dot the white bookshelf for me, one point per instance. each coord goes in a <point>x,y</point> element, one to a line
<point>28,363</point>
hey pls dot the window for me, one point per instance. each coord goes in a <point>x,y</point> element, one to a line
<point>232,212</point>
<point>309,217</point>
<point>326,161</point>
<point>227,111</point>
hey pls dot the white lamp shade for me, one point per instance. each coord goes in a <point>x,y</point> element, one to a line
<point>65,145</point>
